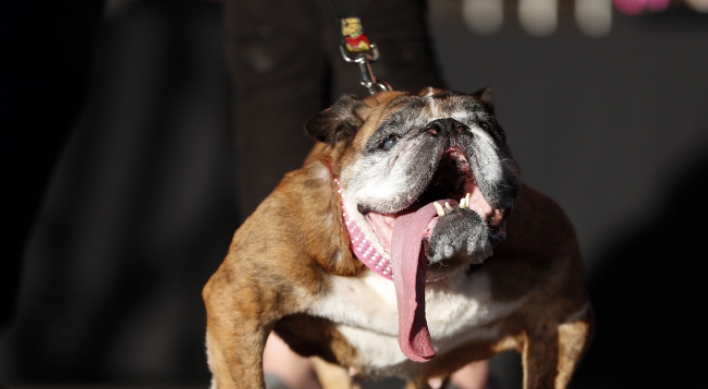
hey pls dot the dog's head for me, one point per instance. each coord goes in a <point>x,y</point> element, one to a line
<point>428,179</point>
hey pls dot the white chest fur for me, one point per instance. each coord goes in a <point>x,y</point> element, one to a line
<point>367,315</point>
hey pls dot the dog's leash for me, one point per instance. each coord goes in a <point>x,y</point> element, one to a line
<point>355,46</point>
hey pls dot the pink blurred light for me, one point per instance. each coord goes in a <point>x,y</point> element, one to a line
<point>634,7</point>
<point>657,5</point>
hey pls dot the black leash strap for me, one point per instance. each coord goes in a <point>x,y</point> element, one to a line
<point>355,46</point>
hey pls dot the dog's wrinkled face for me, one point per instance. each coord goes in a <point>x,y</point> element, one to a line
<point>430,169</point>
<point>409,150</point>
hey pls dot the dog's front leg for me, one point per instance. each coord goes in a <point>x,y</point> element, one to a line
<point>235,366</point>
<point>552,352</point>
<point>236,333</point>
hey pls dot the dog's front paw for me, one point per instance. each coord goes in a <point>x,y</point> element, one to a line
<point>461,232</point>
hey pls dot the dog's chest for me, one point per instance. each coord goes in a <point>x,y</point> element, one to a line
<point>366,314</point>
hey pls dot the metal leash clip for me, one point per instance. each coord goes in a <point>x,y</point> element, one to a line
<point>369,81</point>
<point>355,48</point>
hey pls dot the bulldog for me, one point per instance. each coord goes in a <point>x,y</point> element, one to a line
<point>406,245</point>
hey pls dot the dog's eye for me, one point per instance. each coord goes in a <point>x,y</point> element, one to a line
<point>389,142</point>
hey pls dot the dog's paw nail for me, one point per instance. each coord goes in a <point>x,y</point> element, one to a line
<point>439,208</point>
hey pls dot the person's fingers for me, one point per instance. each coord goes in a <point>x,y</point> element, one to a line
<point>472,376</point>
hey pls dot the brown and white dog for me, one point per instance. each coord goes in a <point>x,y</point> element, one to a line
<point>394,251</point>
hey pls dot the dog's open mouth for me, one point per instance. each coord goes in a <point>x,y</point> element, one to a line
<point>453,185</point>
<point>403,234</point>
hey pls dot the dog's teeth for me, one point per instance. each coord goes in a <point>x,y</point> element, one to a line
<point>447,206</point>
<point>439,208</point>
<point>468,197</point>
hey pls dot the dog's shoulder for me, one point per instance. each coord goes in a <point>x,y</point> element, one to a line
<point>538,224</point>
<point>303,215</point>
<point>541,240</point>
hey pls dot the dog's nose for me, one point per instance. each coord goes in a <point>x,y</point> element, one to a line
<point>447,126</point>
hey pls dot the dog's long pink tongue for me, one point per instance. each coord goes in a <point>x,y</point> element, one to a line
<point>409,278</point>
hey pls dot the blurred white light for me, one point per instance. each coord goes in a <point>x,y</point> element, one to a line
<point>483,16</point>
<point>698,5</point>
<point>538,17</point>
<point>594,17</point>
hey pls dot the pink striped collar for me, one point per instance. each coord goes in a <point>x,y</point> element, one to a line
<point>362,247</point>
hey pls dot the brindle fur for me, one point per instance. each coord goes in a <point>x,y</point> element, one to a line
<point>281,257</point>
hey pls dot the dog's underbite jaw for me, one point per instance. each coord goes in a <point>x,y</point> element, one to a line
<point>453,187</point>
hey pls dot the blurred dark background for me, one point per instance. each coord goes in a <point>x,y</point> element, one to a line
<point>135,108</point>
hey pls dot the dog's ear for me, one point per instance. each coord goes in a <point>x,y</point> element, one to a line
<point>340,122</point>
<point>484,96</point>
